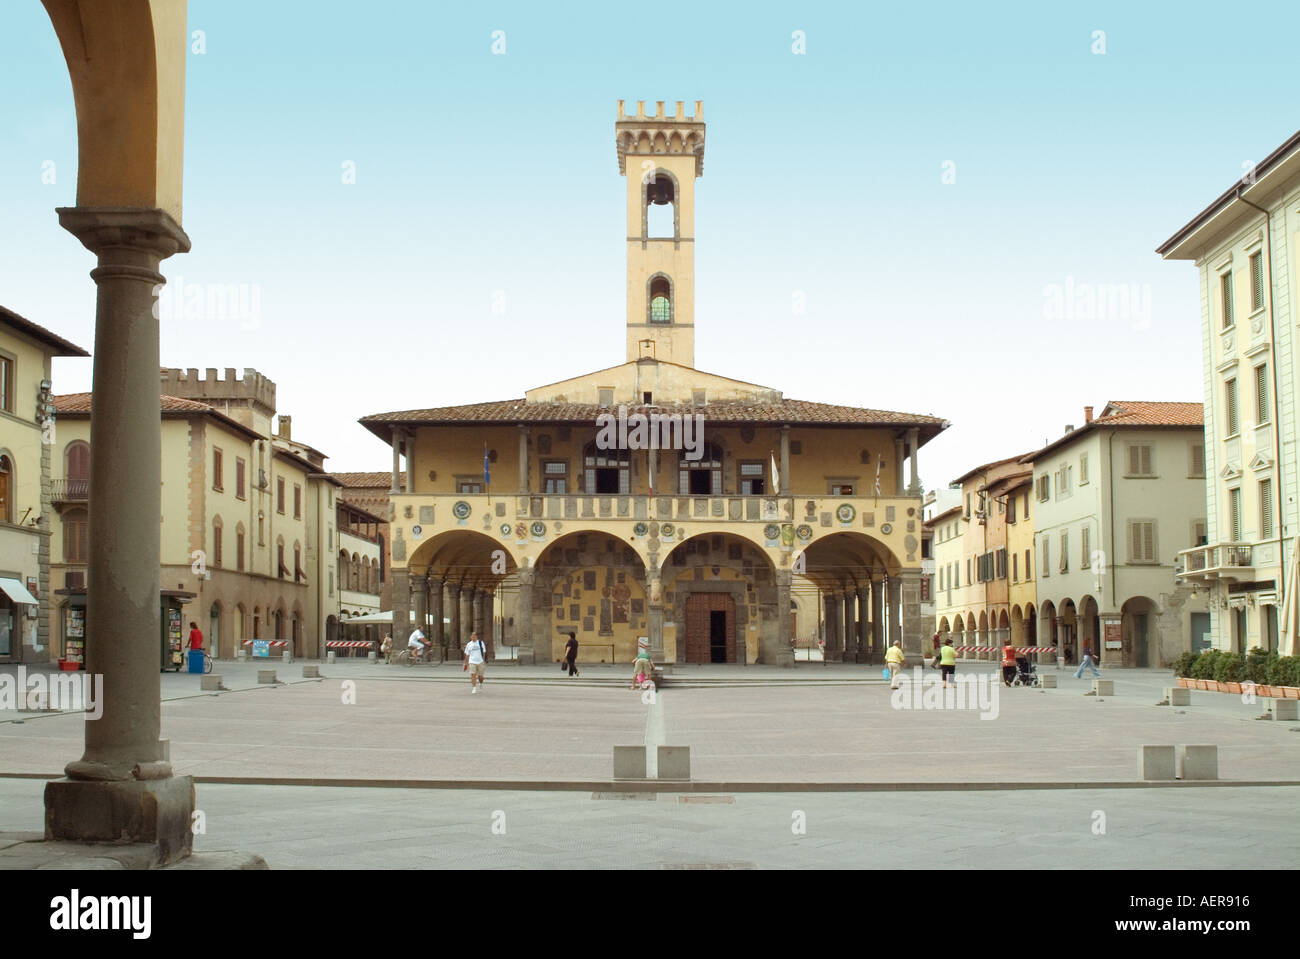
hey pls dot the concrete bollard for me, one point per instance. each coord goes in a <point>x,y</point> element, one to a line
<point>311,672</point>
<point>331,656</point>
<point>1156,763</point>
<point>266,676</point>
<point>287,656</point>
<point>1103,687</point>
<point>211,682</point>
<point>1047,680</point>
<point>1178,696</point>
<point>372,656</point>
<point>241,654</point>
<point>675,762</point>
<point>1284,709</point>
<point>629,762</point>
<point>1198,762</point>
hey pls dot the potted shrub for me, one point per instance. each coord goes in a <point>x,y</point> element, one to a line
<point>1182,667</point>
<point>1229,670</point>
<point>1203,670</point>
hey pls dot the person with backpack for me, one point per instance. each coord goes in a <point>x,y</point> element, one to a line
<point>475,662</point>
<point>571,655</point>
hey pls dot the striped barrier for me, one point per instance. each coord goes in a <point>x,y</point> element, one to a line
<point>998,649</point>
<point>349,644</point>
<point>272,643</point>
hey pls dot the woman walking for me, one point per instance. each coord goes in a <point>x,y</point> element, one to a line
<point>948,662</point>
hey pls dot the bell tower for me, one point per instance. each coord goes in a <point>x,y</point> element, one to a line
<point>661,156</point>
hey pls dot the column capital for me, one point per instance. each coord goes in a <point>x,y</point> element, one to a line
<point>102,229</point>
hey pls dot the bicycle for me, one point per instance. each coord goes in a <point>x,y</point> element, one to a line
<point>207,661</point>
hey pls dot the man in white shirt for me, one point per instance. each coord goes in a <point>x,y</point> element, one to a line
<point>417,644</point>
<point>475,661</point>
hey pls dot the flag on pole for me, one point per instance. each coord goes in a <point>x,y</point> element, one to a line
<point>879,466</point>
<point>487,474</point>
<point>776,477</point>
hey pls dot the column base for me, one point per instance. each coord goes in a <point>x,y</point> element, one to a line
<point>155,811</point>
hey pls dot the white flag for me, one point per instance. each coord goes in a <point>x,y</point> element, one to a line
<point>776,477</point>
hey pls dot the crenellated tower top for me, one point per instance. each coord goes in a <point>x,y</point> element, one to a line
<point>661,133</point>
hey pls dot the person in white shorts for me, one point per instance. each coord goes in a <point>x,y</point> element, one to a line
<point>475,660</point>
<point>416,643</point>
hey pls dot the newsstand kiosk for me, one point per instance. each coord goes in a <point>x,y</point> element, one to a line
<point>171,641</point>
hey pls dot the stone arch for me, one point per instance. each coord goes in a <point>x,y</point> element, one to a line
<point>723,573</point>
<point>463,557</point>
<point>1140,634</point>
<point>1017,626</point>
<point>1089,626</point>
<point>649,186</point>
<point>660,284</point>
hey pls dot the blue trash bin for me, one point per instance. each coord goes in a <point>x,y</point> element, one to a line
<point>196,661</point>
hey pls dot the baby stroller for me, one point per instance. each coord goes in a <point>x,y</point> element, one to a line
<point>1026,675</point>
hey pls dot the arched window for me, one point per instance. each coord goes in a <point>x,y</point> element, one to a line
<point>216,541</point>
<point>605,471</point>
<point>701,477</point>
<point>297,562</point>
<point>660,299</point>
<point>7,489</point>
<point>661,206</point>
<point>343,569</point>
<point>355,566</point>
<point>76,465</point>
<point>239,547</point>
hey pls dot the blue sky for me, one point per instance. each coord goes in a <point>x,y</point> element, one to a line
<point>479,175</point>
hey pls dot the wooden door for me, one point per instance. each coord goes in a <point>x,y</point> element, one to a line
<point>700,626</point>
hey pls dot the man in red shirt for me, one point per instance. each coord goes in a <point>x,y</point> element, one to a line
<point>196,637</point>
<point>1008,663</point>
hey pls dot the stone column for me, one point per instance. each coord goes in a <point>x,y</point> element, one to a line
<point>523,461</point>
<point>913,440</point>
<point>912,628</point>
<point>785,462</point>
<point>850,626</point>
<point>487,628</point>
<point>466,614</point>
<point>878,613</point>
<point>420,600</point>
<point>435,611</point>
<point>401,609</point>
<point>868,652</point>
<point>779,650</point>
<point>524,618</point>
<point>397,462</point>
<point>834,641</point>
<point>655,616</point>
<point>898,465</point>
<point>893,600</point>
<point>453,601</point>
<point>122,788</point>
<point>408,446</point>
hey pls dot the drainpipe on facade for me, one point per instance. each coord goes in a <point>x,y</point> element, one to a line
<point>1110,483</point>
<point>1280,584</point>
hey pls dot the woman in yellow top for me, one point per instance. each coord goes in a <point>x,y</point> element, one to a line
<point>948,662</point>
<point>895,660</point>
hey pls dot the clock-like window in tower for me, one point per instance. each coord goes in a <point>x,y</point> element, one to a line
<point>661,299</point>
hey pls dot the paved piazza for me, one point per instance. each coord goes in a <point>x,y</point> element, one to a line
<point>773,752</point>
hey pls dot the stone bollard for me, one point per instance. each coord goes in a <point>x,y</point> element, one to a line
<point>287,656</point>
<point>629,762</point>
<point>372,656</point>
<point>1103,687</point>
<point>1284,709</point>
<point>1047,680</point>
<point>1178,696</point>
<point>241,654</point>
<point>311,672</point>
<point>675,763</point>
<point>210,682</point>
<point>330,657</point>
<point>1156,763</point>
<point>1198,762</point>
<point>266,676</point>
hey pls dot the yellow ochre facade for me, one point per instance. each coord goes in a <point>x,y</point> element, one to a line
<point>651,504</point>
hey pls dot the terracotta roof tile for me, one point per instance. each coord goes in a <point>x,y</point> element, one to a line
<point>1149,413</point>
<point>363,480</point>
<point>78,404</point>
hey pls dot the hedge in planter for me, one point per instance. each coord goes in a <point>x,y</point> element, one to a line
<point>1183,664</point>
<point>1229,668</point>
<point>1203,668</point>
<point>1258,664</point>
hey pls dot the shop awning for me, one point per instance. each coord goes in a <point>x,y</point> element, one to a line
<point>17,592</point>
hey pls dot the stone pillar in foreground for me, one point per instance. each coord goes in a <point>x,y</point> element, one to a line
<point>878,613</point>
<point>453,603</point>
<point>834,645</point>
<point>122,788</point>
<point>401,609</point>
<point>850,626</point>
<point>784,652</point>
<point>867,650</point>
<point>435,611</point>
<point>420,600</point>
<point>655,616</point>
<point>893,601</point>
<point>912,627</point>
<point>466,615</point>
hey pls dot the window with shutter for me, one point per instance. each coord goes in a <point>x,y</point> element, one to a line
<point>218,474</point>
<point>1029,567</point>
<point>1085,547</point>
<point>1266,509</point>
<point>1261,393</point>
<point>1234,514</point>
<point>1225,291</point>
<point>1230,405</point>
<point>1139,460</point>
<point>1047,562</point>
<point>1015,567</point>
<point>1198,460</point>
<point>1065,551</point>
<point>1083,469</point>
<point>239,478</point>
<point>1200,536</point>
<point>1256,282</point>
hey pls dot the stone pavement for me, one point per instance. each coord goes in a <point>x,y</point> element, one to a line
<point>810,725</point>
<point>371,828</point>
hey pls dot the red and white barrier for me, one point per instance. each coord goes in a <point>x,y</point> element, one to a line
<point>998,649</point>
<point>272,643</point>
<point>349,644</point>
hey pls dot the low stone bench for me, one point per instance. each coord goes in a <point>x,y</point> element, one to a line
<point>1284,709</point>
<point>675,763</point>
<point>1156,763</point>
<point>1198,762</point>
<point>1103,687</point>
<point>629,762</point>
<point>311,672</point>
<point>331,656</point>
<point>266,676</point>
<point>372,656</point>
<point>1047,681</point>
<point>1178,696</point>
<point>241,654</point>
<point>211,682</point>
<point>287,656</point>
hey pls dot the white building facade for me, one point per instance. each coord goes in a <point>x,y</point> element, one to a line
<point>1245,246</point>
